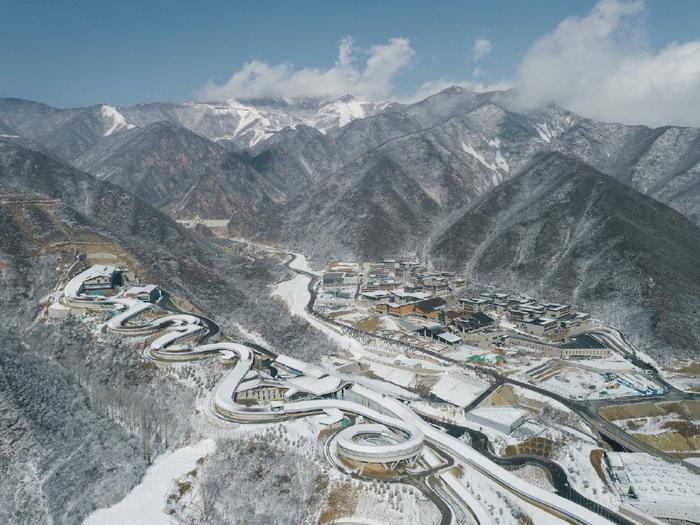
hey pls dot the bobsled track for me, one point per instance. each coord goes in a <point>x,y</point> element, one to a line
<point>395,434</point>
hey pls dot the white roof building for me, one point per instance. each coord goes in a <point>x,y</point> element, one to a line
<point>505,419</point>
<point>314,385</point>
<point>300,366</point>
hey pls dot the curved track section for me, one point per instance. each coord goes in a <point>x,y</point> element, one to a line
<point>375,443</point>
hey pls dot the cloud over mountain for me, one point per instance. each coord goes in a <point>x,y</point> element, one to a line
<point>371,80</point>
<point>602,66</point>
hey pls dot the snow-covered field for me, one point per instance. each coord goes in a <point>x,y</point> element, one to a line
<point>145,504</point>
<point>459,390</point>
<point>397,376</point>
<point>575,458</point>
<point>295,295</point>
<point>577,383</point>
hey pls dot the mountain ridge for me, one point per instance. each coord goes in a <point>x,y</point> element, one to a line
<point>565,231</point>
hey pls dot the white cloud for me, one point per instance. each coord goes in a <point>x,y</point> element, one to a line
<point>481,48</point>
<point>373,80</point>
<point>602,66</point>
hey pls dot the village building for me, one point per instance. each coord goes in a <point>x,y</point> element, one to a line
<point>340,279</point>
<point>259,391</point>
<point>556,311</point>
<point>391,264</point>
<point>473,322</point>
<point>148,293</point>
<point>376,295</point>
<point>581,347</point>
<point>518,302</point>
<point>538,327</point>
<point>526,312</point>
<point>439,333</point>
<point>573,321</point>
<point>474,305</point>
<point>103,278</point>
<point>500,307</point>
<point>457,284</point>
<point>331,279</point>
<point>430,308</point>
<point>504,419</point>
<point>396,309</point>
<point>447,316</point>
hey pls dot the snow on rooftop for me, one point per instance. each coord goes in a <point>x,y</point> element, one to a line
<point>302,366</point>
<point>378,293</point>
<point>333,416</point>
<point>500,414</point>
<point>145,288</point>
<point>75,285</point>
<point>393,375</point>
<point>449,337</point>
<point>459,390</point>
<point>315,385</point>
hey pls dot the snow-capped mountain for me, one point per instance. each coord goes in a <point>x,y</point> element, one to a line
<point>246,123</point>
<point>240,124</point>
<point>344,178</point>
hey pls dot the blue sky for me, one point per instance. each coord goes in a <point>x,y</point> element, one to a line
<point>83,52</point>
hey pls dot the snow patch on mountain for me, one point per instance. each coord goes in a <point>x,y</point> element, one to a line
<point>114,120</point>
<point>146,502</point>
<point>544,132</point>
<point>499,163</point>
<point>341,112</point>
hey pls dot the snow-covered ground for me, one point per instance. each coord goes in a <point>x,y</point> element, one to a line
<point>649,424</point>
<point>535,475</point>
<point>614,363</point>
<point>459,390</point>
<point>575,458</point>
<point>577,383</point>
<point>295,295</point>
<point>498,505</point>
<point>397,376</point>
<point>144,505</point>
<point>302,263</point>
